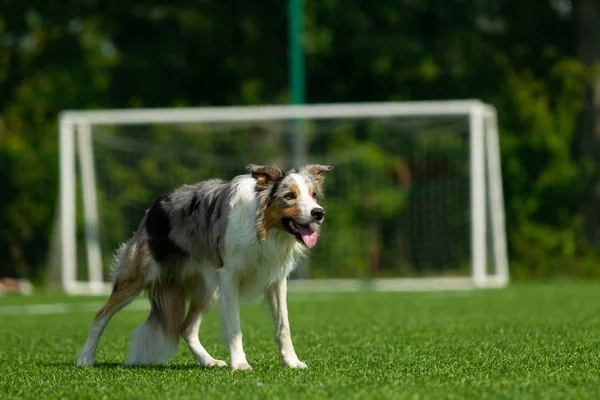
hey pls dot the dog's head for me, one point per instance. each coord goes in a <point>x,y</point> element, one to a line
<point>289,201</point>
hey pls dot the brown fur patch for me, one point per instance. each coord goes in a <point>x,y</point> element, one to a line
<point>197,304</point>
<point>264,175</point>
<point>293,189</point>
<point>312,192</point>
<point>316,170</point>
<point>169,304</point>
<point>130,279</point>
<point>123,289</point>
<point>276,211</point>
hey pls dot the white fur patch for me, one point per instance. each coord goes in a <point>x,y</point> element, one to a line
<point>305,201</point>
<point>150,345</point>
<point>115,265</point>
<point>88,353</point>
<point>154,271</point>
<point>256,264</point>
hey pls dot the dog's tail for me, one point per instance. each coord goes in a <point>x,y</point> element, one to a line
<point>155,341</point>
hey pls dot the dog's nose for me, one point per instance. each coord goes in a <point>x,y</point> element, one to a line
<point>318,213</point>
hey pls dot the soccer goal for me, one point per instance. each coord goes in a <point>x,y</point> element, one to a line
<point>415,201</point>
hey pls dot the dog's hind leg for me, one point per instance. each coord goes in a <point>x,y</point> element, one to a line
<point>124,291</point>
<point>199,306</point>
<point>131,269</point>
<point>128,284</point>
<point>155,341</point>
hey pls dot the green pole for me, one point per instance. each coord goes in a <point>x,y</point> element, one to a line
<point>296,51</point>
<point>297,93</point>
<point>296,76</point>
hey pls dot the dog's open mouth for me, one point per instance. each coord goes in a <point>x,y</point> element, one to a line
<point>302,233</point>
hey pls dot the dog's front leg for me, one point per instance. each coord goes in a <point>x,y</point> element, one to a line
<point>276,296</point>
<point>229,286</point>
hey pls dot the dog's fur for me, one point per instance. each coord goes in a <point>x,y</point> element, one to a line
<point>232,240</point>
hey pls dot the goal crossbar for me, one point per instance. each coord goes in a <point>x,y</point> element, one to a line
<point>269,113</point>
<point>75,127</point>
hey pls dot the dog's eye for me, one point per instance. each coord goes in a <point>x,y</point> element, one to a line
<point>314,195</point>
<point>290,196</point>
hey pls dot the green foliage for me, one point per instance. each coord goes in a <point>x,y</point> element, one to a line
<point>545,181</point>
<point>515,55</point>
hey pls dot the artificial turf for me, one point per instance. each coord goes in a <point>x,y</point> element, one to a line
<point>525,341</point>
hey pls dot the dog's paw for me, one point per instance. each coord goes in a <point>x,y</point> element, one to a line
<point>214,363</point>
<point>241,366</point>
<point>294,363</point>
<point>84,361</point>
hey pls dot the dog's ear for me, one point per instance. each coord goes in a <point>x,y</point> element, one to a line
<point>264,174</point>
<point>316,171</point>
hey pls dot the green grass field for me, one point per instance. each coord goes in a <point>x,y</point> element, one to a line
<point>526,341</point>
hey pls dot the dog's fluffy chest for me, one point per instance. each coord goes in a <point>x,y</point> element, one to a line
<point>257,264</point>
<point>262,264</point>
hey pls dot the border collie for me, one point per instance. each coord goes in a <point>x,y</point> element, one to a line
<point>215,239</point>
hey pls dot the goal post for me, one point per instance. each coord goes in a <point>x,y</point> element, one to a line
<point>483,205</point>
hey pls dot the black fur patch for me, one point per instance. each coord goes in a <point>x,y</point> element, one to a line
<point>210,210</point>
<point>275,186</point>
<point>158,228</point>
<point>193,204</point>
<point>218,214</point>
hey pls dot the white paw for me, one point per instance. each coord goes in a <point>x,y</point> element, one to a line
<point>241,366</point>
<point>84,361</point>
<point>214,363</point>
<point>294,363</point>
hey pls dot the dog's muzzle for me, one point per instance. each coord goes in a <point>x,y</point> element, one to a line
<point>318,214</point>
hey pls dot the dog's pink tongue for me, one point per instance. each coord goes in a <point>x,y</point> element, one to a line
<point>308,236</point>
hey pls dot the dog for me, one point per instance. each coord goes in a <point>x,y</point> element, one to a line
<point>227,240</point>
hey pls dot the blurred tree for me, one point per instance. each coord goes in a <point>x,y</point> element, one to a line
<point>587,15</point>
<point>533,60</point>
<point>48,62</point>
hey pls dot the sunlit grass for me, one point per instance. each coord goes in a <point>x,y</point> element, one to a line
<point>527,341</point>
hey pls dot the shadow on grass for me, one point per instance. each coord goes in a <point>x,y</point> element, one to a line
<point>107,365</point>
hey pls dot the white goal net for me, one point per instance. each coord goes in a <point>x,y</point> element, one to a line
<point>415,200</point>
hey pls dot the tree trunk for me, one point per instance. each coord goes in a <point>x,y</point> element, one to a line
<point>587,18</point>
